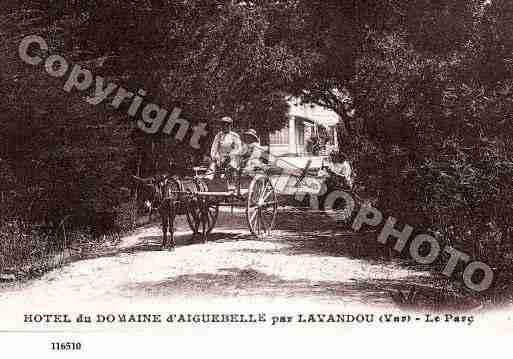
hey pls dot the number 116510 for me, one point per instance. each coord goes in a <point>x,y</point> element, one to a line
<point>64,346</point>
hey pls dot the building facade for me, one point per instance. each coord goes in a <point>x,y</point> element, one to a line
<point>307,122</point>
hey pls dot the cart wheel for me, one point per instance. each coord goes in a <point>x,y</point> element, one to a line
<point>192,216</point>
<point>202,223</point>
<point>207,214</point>
<point>193,212</point>
<point>261,206</point>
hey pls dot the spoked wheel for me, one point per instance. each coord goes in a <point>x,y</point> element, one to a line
<point>207,213</point>
<point>202,223</point>
<point>201,216</point>
<point>261,207</point>
<point>192,216</point>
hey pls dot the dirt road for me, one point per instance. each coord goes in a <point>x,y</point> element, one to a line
<point>309,261</point>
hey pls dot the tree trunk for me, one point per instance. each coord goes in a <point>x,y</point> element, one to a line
<point>135,199</point>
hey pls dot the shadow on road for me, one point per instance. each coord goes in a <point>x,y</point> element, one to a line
<point>244,283</point>
<point>302,233</point>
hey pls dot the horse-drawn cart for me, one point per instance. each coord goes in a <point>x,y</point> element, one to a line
<point>255,193</point>
<point>199,197</point>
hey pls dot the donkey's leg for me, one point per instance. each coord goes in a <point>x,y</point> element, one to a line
<point>205,221</point>
<point>172,215</point>
<point>165,224</point>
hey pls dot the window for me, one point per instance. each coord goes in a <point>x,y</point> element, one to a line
<point>280,137</point>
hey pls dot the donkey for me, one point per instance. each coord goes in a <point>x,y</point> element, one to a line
<point>161,193</point>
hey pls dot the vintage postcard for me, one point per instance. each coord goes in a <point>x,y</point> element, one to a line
<point>183,172</point>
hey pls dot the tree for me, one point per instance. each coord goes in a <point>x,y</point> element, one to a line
<point>210,58</point>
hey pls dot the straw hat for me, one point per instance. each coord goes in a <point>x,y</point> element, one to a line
<point>226,119</point>
<point>252,132</point>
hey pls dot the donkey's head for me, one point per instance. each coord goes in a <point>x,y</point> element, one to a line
<point>150,190</point>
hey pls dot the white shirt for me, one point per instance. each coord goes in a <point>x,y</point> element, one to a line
<point>226,144</point>
<point>254,155</point>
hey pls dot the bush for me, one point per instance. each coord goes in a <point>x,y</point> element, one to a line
<point>23,252</point>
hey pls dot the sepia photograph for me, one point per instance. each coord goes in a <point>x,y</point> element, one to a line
<point>173,170</point>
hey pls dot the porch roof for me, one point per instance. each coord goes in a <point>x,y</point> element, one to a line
<point>312,113</point>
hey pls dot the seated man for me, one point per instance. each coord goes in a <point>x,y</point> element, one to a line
<point>226,149</point>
